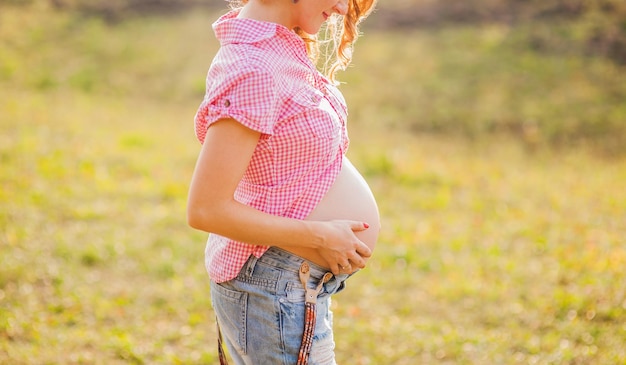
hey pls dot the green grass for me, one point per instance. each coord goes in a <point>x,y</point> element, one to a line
<point>478,81</point>
<point>491,253</point>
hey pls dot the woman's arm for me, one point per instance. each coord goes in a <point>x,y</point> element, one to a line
<point>211,206</point>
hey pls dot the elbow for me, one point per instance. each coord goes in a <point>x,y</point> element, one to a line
<point>208,216</point>
<point>193,219</point>
<point>198,218</point>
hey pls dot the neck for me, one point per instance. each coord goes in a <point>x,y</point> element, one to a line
<point>268,11</point>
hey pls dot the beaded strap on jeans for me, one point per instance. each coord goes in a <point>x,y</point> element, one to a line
<point>220,346</point>
<point>310,317</point>
<point>310,313</point>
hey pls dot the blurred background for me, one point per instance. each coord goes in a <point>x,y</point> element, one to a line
<point>545,71</point>
<point>492,132</point>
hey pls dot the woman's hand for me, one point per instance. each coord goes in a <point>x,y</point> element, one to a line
<point>223,160</point>
<point>343,251</point>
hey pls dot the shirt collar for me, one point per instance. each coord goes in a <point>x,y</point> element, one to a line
<point>230,29</point>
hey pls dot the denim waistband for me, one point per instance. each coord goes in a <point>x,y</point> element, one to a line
<point>289,264</point>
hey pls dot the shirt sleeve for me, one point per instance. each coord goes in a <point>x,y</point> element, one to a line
<point>247,94</point>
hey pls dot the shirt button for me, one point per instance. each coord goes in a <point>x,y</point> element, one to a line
<point>227,103</point>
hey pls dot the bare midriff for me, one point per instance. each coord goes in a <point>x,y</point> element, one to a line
<point>348,198</point>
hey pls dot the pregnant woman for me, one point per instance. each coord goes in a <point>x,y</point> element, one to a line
<point>289,217</point>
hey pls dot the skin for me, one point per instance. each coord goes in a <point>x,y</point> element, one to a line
<point>225,155</point>
<point>308,15</point>
<point>211,207</point>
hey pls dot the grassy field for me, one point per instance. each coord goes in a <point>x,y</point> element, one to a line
<point>495,250</point>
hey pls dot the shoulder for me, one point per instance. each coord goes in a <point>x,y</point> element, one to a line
<point>243,58</point>
<point>240,62</point>
<point>262,56</point>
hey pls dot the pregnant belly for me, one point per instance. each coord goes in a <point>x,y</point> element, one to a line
<point>348,198</point>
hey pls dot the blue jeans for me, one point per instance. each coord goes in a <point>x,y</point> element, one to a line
<point>261,311</point>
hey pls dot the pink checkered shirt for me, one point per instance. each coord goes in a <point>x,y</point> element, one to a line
<point>262,77</point>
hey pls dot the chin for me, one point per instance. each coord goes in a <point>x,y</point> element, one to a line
<point>312,29</point>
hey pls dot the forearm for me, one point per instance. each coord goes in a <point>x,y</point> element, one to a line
<point>242,223</point>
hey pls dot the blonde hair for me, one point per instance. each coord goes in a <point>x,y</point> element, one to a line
<point>338,37</point>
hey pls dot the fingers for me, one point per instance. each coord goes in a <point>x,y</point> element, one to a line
<point>363,251</point>
<point>356,260</point>
<point>348,265</point>
<point>347,253</point>
<point>359,226</point>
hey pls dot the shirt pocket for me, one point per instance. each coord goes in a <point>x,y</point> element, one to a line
<point>317,113</point>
